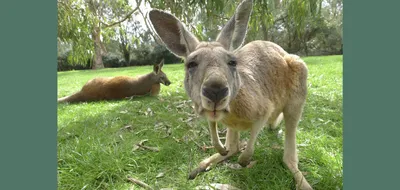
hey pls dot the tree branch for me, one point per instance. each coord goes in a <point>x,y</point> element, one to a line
<point>70,7</point>
<point>123,19</point>
<point>152,32</point>
<point>64,4</point>
<point>282,18</point>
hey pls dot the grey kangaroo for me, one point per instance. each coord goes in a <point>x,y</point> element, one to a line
<point>243,87</point>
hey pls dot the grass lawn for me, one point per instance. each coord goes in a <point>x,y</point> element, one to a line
<point>96,140</point>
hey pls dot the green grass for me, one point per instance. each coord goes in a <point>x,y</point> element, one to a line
<point>96,152</point>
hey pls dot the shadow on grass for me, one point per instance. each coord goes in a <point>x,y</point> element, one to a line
<point>174,157</point>
<point>95,148</point>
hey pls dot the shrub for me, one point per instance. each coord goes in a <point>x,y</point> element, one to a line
<point>64,65</point>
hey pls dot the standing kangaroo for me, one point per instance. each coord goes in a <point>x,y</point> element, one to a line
<point>245,88</point>
<point>111,88</point>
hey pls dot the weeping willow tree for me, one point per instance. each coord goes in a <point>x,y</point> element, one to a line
<point>86,24</point>
<point>297,18</point>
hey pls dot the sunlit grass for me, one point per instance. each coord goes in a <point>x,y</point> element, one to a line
<point>95,140</point>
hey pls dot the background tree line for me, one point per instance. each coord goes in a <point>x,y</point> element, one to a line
<point>116,33</point>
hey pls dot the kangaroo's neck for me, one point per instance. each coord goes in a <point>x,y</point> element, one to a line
<point>149,78</point>
<point>146,81</point>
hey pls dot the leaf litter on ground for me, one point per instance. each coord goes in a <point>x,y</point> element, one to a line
<point>140,145</point>
<point>217,186</point>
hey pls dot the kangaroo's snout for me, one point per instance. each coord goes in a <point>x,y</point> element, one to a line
<point>215,92</point>
<point>167,83</point>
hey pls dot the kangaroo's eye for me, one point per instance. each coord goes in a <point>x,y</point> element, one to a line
<point>191,65</point>
<point>232,63</point>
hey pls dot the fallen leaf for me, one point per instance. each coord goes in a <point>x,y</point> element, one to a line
<point>143,141</point>
<point>251,164</point>
<point>189,119</point>
<point>237,166</point>
<point>138,182</point>
<point>138,145</point>
<point>149,111</point>
<point>217,186</point>
<point>177,140</point>
<point>159,175</point>
<point>128,127</point>
<point>124,111</point>
<point>234,166</point>
<point>302,145</point>
<point>205,148</point>
<point>180,106</point>
<point>280,134</point>
<point>158,124</point>
<point>135,147</point>
<point>84,187</point>
<point>276,146</point>
<point>154,149</point>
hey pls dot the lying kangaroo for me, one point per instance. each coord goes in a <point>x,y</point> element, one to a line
<point>245,88</point>
<point>111,88</point>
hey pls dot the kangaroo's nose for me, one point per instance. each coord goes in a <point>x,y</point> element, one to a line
<point>215,92</point>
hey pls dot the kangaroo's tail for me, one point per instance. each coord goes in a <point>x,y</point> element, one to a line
<point>77,97</point>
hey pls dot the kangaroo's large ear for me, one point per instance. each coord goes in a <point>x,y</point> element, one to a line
<point>161,64</point>
<point>172,32</point>
<point>234,32</point>
<point>157,67</point>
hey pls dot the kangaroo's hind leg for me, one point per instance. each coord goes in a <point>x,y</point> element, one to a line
<point>292,115</point>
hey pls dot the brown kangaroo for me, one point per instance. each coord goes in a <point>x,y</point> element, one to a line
<point>244,87</point>
<point>112,88</point>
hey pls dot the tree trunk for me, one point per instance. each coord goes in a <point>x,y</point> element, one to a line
<point>277,4</point>
<point>98,50</point>
<point>124,47</point>
<point>264,31</point>
<point>125,51</point>
<point>127,57</point>
<point>305,47</point>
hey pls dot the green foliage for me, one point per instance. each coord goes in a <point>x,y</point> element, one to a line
<point>296,25</point>
<point>96,140</point>
<point>304,27</point>
<point>79,21</point>
<point>112,60</point>
<point>64,63</point>
<point>74,28</point>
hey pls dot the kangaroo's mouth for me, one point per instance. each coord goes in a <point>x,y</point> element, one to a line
<point>214,115</point>
<point>166,83</point>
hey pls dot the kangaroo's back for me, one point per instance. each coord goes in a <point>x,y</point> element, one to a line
<point>269,76</point>
<point>123,86</point>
